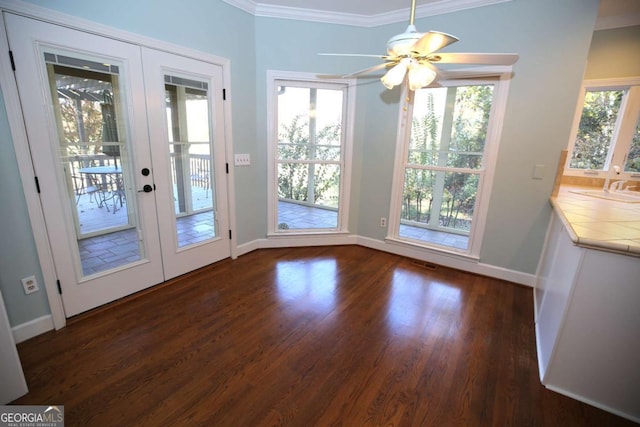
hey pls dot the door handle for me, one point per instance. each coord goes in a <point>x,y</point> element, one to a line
<point>146,189</point>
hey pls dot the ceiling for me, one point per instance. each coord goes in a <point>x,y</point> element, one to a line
<point>369,13</point>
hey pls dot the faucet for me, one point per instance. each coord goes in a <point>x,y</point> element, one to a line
<point>616,185</point>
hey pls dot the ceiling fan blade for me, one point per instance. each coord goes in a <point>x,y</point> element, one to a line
<point>474,58</point>
<point>370,69</point>
<point>356,73</point>
<point>432,41</point>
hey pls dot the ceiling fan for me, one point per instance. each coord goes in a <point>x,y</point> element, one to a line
<point>413,54</point>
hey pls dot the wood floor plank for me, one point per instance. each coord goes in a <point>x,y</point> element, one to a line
<point>321,336</point>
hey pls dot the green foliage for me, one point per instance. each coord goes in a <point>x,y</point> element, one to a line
<point>597,124</point>
<point>633,159</point>
<point>464,147</point>
<point>294,178</point>
<point>81,129</point>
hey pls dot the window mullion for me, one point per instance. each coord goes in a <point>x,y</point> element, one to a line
<point>443,156</point>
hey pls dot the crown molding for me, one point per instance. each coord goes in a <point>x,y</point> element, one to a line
<point>617,21</point>
<point>284,12</point>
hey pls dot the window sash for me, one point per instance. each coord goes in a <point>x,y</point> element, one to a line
<point>484,172</point>
<point>327,154</point>
<point>622,136</point>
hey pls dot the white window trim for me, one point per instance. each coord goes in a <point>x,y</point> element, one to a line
<point>601,84</point>
<point>494,134</point>
<point>272,141</point>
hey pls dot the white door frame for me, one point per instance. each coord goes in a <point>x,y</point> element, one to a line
<point>22,149</point>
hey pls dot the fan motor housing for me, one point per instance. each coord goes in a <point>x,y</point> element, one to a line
<point>400,44</point>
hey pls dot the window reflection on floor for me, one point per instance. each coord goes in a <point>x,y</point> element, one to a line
<point>411,310</point>
<point>307,285</point>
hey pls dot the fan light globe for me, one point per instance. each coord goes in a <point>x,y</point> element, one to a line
<point>396,74</point>
<point>420,76</point>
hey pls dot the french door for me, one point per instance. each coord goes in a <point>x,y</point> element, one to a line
<point>130,164</point>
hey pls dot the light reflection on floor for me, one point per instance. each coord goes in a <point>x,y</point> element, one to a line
<point>410,311</point>
<point>307,285</point>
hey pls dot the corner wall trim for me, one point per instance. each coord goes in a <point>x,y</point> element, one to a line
<point>32,328</point>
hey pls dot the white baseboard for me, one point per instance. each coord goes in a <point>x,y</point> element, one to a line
<point>458,262</point>
<point>32,328</point>
<point>598,405</point>
<point>245,248</point>
<point>297,241</point>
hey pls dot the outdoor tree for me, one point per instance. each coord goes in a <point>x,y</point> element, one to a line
<point>423,151</point>
<point>461,146</point>
<point>81,125</point>
<point>294,177</point>
<point>469,133</point>
<point>597,124</point>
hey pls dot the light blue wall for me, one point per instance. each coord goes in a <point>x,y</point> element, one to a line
<point>18,257</point>
<point>551,37</point>
<point>614,53</point>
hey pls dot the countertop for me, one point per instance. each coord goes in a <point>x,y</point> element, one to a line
<point>598,223</point>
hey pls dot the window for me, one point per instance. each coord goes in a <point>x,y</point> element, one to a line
<point>606,133</point>
<point>445,159</point>
<point>309,153</point>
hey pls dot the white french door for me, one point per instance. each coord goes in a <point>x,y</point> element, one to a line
<point>128,148</point>
<point>186,127</point>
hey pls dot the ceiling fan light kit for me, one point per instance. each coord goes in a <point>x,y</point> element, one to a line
<point>420,76</point>
<point>411,55</point>
<point>396,74</point>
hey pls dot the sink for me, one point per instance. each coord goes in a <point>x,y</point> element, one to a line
<point>618,196</point>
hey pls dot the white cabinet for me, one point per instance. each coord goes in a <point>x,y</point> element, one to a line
<point>588,324</point>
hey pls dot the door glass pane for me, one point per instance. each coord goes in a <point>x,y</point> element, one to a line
<point>94,158</point>
<point>309,157</point>
<point>187,107</point>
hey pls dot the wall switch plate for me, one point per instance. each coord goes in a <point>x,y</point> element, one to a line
<point>30,285</point>
<point>242,159</point>
<point>538,172</point>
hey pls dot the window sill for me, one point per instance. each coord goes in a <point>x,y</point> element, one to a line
<point>440,250</point>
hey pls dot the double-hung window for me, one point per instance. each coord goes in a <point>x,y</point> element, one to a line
<point>606,134</point>
<point>310,122</point>
<point>447,145</point>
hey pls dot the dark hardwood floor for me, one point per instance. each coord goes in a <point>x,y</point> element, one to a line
<point>323,336</point>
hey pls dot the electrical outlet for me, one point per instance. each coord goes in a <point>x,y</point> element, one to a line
<point>383,222</point>
<point>242,160</point>
<point>30,285</point>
